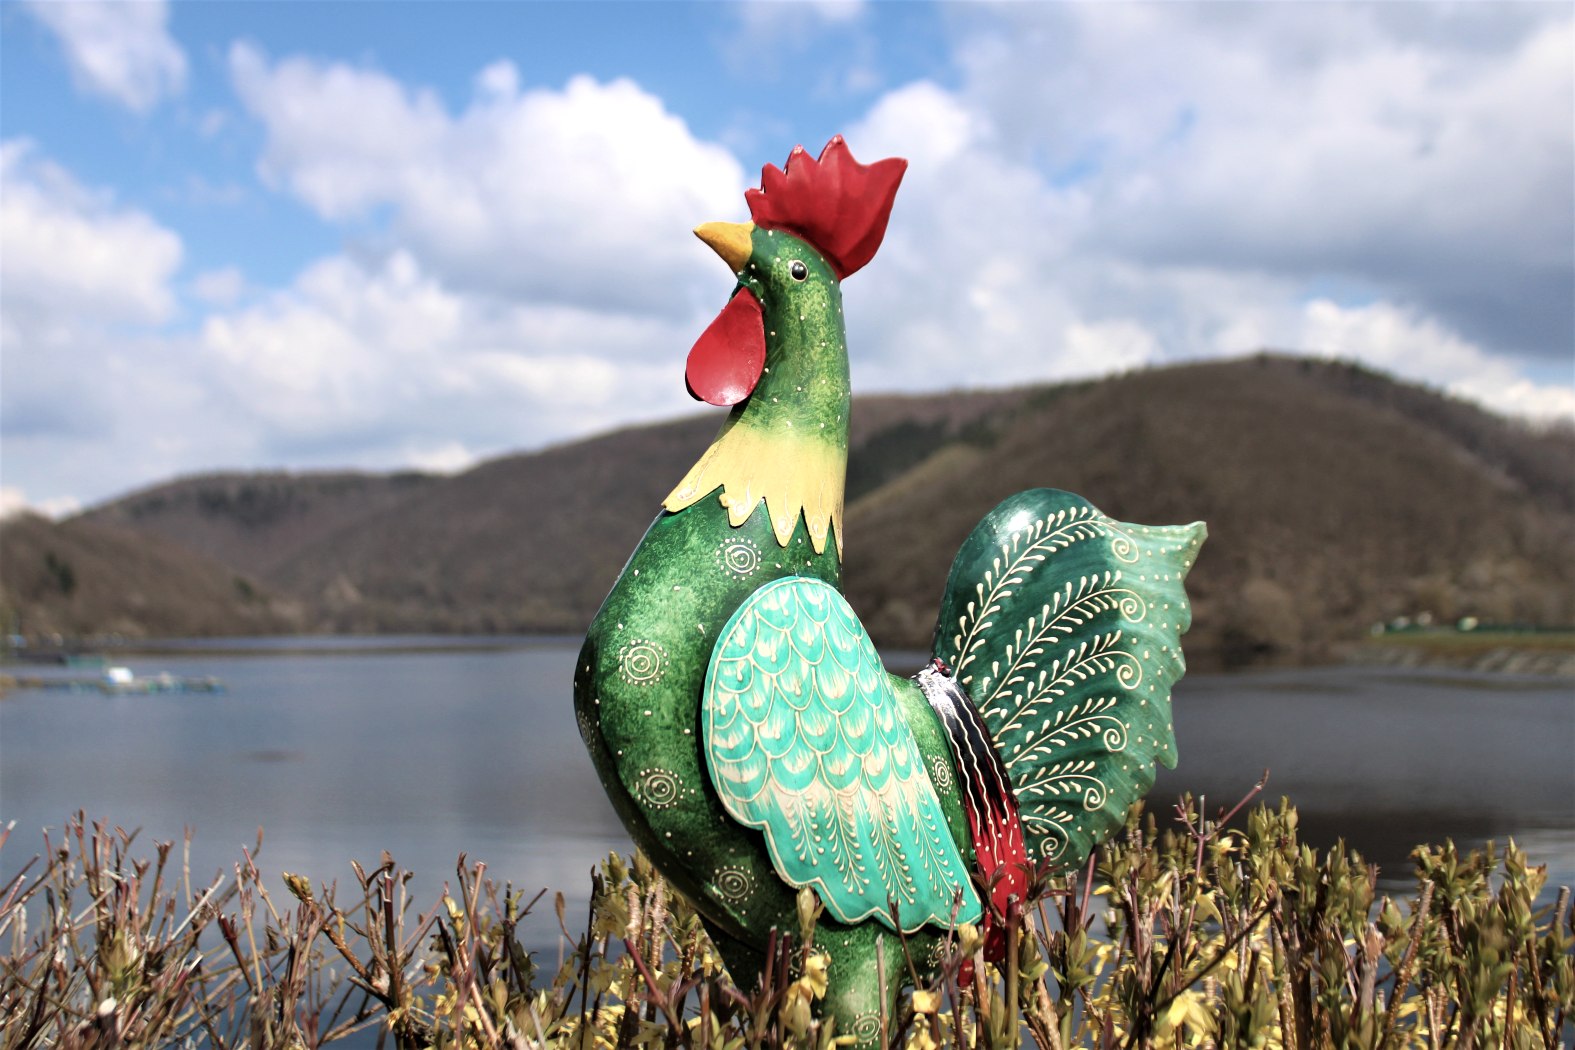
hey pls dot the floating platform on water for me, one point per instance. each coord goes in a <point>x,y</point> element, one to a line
<point>119,681</point>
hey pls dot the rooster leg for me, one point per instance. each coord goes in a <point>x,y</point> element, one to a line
<point>861,1004</point>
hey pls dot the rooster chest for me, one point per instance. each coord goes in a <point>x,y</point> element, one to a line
<point>637,694</point>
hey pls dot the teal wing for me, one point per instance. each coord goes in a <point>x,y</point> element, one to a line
<point>1065,624</point>
<point>806,742</point>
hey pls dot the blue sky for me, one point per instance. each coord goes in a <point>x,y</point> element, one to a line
<point>311,236</point>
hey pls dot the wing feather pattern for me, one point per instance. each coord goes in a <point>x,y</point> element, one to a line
<point>806,742</point>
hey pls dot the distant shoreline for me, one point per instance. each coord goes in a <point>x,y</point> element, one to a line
<point>1550,653</point>
<point>1541,653</point>
<point>96,650</point>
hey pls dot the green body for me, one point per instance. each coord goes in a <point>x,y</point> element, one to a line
<point>1062,623</point>
<point>639,678</point>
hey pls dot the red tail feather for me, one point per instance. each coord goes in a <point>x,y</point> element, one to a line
<point>999,848</point>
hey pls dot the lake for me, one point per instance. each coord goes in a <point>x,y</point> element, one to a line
<point>431,747</point>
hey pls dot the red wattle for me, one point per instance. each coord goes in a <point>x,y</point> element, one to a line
<point>726,360</point>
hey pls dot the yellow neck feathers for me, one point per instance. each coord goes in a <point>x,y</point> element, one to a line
<point>794,476</point>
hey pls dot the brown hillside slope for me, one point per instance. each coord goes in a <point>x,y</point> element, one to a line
<point>84,578</point>
<point>1335,497</point>
<point>528,542</point>
<point>533,542</point>
<point>1329,507</point>
<point>258,522</point>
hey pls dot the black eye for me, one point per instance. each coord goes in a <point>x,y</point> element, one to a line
<point>797,270</point>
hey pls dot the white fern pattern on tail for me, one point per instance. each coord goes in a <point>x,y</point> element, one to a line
<point>1064,625</point>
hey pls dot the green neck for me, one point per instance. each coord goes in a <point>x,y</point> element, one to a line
<point>804,392</point>
<point>787,443</point>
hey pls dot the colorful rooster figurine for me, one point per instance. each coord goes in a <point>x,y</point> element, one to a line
<point>737,712</point>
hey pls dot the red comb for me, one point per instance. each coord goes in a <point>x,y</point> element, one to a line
<point>835,203</point>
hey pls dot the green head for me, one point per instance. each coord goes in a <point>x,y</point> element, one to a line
<point>780,341</point>
<point>777,352</point>
<point>815,223</point>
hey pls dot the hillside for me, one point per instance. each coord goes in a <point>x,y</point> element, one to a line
<point>1335,497</point>
<point>80,578</point>
<point>258,523</point>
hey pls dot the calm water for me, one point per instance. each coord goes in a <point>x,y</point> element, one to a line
<point>428,754</point>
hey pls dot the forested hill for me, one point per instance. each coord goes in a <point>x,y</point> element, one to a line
<point>1335,497</point>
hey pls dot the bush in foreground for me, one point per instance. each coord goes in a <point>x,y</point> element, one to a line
<point>1199,936</point>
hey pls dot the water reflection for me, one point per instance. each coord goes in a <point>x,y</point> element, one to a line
<point>439,752</point>
<point>1389,759</point>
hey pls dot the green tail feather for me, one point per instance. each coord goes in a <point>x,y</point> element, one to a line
<point>1065,627</point>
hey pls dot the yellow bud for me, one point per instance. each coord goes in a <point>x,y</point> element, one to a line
<point>809,910</point>
<point>969,939</point>
<point>795,1012</point>
<point>300,886</point>
<point>815,974</point>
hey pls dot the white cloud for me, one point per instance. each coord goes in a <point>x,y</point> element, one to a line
<point>14,501</point>
<point>582,195</point>
<point>958,294</point>
<point>382,363</point>
<point>1106,346</point>
<point>1015,253</point>
<point>1518,396</point>
<point>520,269</point>
<point>84,284</point>
<point>72,253</point>
<point>372,363</point>
<point>450,457</point>
<point>221,287</point>
<point>336,349</point>
<point>1075,206</point>
<point>767,35</point>
<point>1434,164</point>
<point>89,383</point>
<point>118,49</point>
<point>1397,340</point>
<point>539,282</point>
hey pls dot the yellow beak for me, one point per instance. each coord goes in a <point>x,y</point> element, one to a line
<point>731,240</point>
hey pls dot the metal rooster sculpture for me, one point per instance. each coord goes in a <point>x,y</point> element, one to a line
<point>736,709</point>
